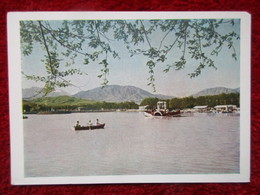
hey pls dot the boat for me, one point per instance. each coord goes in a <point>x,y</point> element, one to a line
<point>89,127</point>
<point>151,113</point>
<point>54,112</point>
<point>161,110</point>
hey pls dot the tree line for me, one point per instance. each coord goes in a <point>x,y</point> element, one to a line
<point>39,107</point>
<point>173,103</point>
<point>190,102</point>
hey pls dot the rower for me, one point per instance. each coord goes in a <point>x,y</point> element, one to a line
<point>90,123</point>
<point>77,124</point>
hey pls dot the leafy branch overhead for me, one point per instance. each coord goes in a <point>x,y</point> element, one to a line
<point>168,43</point>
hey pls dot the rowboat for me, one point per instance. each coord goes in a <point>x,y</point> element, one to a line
<point>89,127</point>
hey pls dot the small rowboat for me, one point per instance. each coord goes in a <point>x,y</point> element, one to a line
<point>89,127</point>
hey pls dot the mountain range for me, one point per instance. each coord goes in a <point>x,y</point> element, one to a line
<point>35,92</point>
<point>216,91</point>
<point>117,93</point>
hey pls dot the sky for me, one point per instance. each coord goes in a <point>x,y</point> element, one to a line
<point>133,71</point>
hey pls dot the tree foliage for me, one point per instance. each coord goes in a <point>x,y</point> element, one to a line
<point>157,40</point>
<point>190,102</point>
<point>209,100</point>
<point>72,104</point>
<point>150,102</point>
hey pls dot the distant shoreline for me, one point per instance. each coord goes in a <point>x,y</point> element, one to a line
<point>85,111</point>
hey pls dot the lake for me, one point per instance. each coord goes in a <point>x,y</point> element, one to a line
<point>131,144</point>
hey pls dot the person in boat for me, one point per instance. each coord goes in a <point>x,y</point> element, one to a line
<point>97,122</point>
<point>77,124</point>
<point>90,123</point>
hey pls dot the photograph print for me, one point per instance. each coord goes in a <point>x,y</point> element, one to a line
<point>121,97</point>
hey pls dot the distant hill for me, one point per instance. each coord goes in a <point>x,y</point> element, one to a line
<point>117,93</point>
<point>216,91</point>
<point>35,92</point>
<point>60,100</point>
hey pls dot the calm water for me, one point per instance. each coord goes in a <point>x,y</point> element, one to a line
<point>131,144</point>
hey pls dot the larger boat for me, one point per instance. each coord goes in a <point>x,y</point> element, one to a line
<point>161,110</point>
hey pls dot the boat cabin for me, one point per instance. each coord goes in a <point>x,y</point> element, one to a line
<point>161,105</point>
<point>161,110</point>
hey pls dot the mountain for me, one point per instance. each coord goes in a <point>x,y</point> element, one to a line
<point>117,93</point>
<point>60,100</point>
<point>35,92</point>
<point>216,91</point>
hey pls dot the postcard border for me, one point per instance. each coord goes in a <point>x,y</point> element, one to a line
<point>15,96</point>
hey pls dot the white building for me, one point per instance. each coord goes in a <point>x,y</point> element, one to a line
<point>226,108</point>
<point>200,108</point>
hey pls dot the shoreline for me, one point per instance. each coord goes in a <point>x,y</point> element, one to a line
<point>85,111</point>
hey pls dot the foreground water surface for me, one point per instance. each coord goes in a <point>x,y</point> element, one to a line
<point>131,144</point>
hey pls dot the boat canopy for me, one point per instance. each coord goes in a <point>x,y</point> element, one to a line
<point>161,105</point>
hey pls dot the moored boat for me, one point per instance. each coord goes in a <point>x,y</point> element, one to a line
<point>89,127</point>
<point>161,110</point>
<point>150,113</point>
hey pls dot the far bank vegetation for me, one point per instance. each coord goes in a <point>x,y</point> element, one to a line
<point>190,102</point>
<point>75,104</point>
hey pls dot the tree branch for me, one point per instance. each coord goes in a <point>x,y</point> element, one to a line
<point>46,47</point>
<point>172,45</point>
<point>164,38</point>
<point>185,40</point>
<point>146,36</point>
<point>60,42</point>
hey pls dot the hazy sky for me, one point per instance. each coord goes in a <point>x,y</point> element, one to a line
<point>133,71</point>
